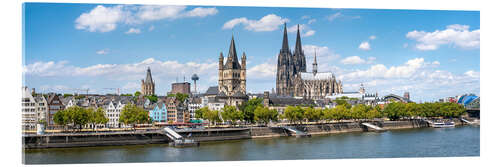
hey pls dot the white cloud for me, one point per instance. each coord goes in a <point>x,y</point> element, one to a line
<point>262,71</point>
<point>455,35</point>
<point>353,60</point>
<point>322,52</point>
<point>201,12</point>
<point>269,22</point>
<point>153,12</point>
<point>364,46</point>
<point>373,37</point>
<point>102,52</point>
<point>340,15</point>
<point>381,71</point>
<point>133,31</point>
<point>304,29</point>
<point>105,19</point>
<point>119,71</point>
<point>371,60</point>
<point>102,19</point>
<point>305,17</point>
<point>309,33</point>
<point>334,16</point>
<point>472,73</point>
<point>150,12</point>
<point>420,78</point>
<point>151,28</point>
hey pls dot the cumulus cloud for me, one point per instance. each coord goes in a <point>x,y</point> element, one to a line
<point>373,37</point>
<point>357,60</point>
<point>353,60</point>
<point>105,19</point>
<point>118,71</point>
<point>133,31</point>
<point>422,79</point>
<point>322,52</point>
<point>201,12</point>
<point>269,22</point>
<point>455,35</point>
<point>102,19</point>
<point>262,71</point>
<point>364,46</point>
<point>304,29</point>
<point>472,73</point>
<point>381,71</point>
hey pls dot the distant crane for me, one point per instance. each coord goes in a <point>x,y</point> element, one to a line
<point>195,78</point>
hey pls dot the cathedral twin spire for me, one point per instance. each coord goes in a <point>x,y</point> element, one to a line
<point>289,65</point>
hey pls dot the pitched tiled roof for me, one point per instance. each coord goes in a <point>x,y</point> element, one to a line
<point>285,101</point>
<point>213,90</point>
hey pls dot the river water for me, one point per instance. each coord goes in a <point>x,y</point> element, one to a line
<point>422,142</point>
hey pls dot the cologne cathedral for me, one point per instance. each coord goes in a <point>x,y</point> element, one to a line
<point>292,79</point>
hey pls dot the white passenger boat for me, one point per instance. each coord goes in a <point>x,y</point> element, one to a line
<point>443,124</point>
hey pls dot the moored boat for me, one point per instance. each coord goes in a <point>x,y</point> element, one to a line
<point>443,124</point>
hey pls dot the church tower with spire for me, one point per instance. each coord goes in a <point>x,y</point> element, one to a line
<point>148,85</point>
<point>232,76</point>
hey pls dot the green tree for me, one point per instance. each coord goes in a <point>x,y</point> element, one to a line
<point>199,112</point>
<point>132,115</point>
<point>212,116</point>
<point>312,114</point>
<point>412,110</point>
<point>248,109</point>
<point>137,93</point>
<point>79,116</point>
<point>328,114</point>
<point>62,117</point>
<point>360,111</point>
<point>98,117</point>
<point>294,114</point>
<point>340,112</point>
<point>67,95</point>
<point>394,110</point>
<point>343,101</point>
<point>230,113</point>
<point>181,97</point>
<point>265,115</point>
<point>152,98</point>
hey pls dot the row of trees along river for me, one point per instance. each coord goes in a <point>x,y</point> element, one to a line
<point>253,112</point>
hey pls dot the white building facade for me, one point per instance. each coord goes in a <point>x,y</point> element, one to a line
<point>28,110</point>
<point>113,111</point>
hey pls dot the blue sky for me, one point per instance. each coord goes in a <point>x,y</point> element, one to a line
<point>431,54</point>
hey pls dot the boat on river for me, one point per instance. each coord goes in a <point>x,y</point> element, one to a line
<point>443,124</point>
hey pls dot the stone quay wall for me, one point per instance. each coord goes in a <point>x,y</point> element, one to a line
<point>156,137</point>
